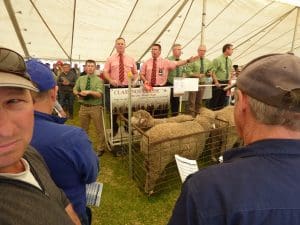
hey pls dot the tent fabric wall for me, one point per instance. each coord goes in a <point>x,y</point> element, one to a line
<point>254,27</point>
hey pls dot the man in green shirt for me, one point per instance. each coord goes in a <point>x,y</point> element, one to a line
<point>178,72</point>
<point>198,69</point>
<point>222,67</point>
<point>89,90</point>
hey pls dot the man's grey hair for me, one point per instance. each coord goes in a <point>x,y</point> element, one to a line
<point>271,115</point>
<point>176,45</point>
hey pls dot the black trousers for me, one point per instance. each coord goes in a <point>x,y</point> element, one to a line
<point>174,101</point>
<point>219,98</point>
<point>66,99</point>
<point>162,110</point>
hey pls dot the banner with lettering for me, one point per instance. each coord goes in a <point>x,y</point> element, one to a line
<point>159,98</point>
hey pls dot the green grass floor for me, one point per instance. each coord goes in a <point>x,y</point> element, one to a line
<point>122,202</point>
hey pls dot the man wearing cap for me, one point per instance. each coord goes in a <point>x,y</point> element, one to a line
<point>89,90</point>
<point>66,149</point>
<point>28,194</point>
<point>260,182</point>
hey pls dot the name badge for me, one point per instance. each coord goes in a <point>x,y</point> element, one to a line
<point>160,72</point>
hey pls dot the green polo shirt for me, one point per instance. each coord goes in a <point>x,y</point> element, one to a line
<point>219,67</point>
<point>96,84</point>
<point>194,67</point>
<point>178,72</point>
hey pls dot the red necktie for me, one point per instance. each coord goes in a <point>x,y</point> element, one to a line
<point>121,68</point>
<point>153,73</point>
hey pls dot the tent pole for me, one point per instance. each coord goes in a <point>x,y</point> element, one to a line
<point>203,22</point>
<point>165,28</point>
<point>16,26</point>
<point>73,26</point>
<point>129,75</point>
<point>220,13</point>
<point>295,31</point>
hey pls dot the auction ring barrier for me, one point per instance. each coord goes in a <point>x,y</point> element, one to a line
<point>116,104</point>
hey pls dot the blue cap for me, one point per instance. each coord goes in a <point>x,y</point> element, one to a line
<point>40,74</point>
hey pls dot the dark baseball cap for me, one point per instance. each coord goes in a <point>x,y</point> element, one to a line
<point>273,79</point>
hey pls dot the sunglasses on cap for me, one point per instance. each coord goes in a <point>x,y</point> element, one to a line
<point>12,62</point>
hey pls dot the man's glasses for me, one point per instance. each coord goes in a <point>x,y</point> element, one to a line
<point>12,62</point>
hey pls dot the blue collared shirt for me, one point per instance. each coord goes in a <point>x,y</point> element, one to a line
<point>256,184</point>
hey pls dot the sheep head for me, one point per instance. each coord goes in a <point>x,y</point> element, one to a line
<point>142,119</point>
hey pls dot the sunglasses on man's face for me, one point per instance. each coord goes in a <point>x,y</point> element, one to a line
<point>12,62</point>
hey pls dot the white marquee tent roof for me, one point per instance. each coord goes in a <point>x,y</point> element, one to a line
<point>82,29</point>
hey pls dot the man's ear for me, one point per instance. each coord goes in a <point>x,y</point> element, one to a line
<point>54,91</point>
<point>243,100</point>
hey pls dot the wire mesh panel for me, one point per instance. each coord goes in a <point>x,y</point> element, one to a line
<point>153,162</point>
<point>164,141</point>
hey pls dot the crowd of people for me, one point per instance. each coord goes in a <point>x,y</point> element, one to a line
<point>75,156</point>
<point>31,91</point>
<point>155,72</point>
<point>33,140</point>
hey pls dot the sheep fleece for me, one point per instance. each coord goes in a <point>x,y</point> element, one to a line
<point>186,139</point>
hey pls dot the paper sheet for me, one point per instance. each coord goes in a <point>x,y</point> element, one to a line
<point>182,85</point>
<point>93,193</point>
<point>178,86</point>
<point>185,167</point>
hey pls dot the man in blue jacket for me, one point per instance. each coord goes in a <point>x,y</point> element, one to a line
<point>66,149</point>
<point>260,182</point>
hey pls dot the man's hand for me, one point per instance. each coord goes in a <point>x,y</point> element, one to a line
<point>208,74</point>
<point>193,59</point>
<point>84,93</point>
<point>147,86</point>
<point>199,75</point>
<point>65,81</point>
<point>72,214</point>
<point>113,83</point>
<point>217,84</point>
